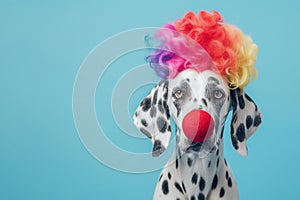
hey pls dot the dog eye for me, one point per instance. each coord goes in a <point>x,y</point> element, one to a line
<point>178,94</point>
<point>218,94</point>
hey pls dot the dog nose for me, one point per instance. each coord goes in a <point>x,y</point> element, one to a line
<point>198,125</point>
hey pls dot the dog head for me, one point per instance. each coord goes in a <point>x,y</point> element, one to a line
<point>199,103</point>
<point>205,64</point>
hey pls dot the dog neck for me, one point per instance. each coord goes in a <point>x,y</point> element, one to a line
<point>205,167</point>
<point>192,162</point>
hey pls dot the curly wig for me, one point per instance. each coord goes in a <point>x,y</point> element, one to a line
<point>202,42</point>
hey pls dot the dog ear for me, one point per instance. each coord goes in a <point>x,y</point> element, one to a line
<point>152,118</point>
<point>246,118</point>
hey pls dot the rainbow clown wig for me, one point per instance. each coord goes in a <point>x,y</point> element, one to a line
<point>202,42</point>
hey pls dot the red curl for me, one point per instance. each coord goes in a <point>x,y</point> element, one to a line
<point>216,38</point>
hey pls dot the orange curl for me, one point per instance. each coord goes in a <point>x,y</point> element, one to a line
<point>233,53</point>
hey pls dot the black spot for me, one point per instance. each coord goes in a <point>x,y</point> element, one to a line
<point>160,107</point>
<point>166,84</point>
<point>233,139</point>
<point>188,80</point>
<point>257,120</point>
<point>225,161</point>
<point>226,175</point>
<point>179,153</point>
<point>194,178</point>
<point>222,192</point>
<point>152,112</point>
<point>193,197</point>
<point>161,124</point>
<point>178,187</point>
<point>168,112</point>
<point>240,133</point>
<point>160,82</point>
<point>169,175</point>
<point>233,99</point>
<point>160,177</point>
<point>241,101</point>
<point>201,196</point>
<point>158,148</point>
<point>166,94</point>
<point>234,142</point>
<point>204,102</point>
<point>177,106</point>
<point>146,104</point>
<point>229,182</point>
<point>248,98</point>
<point>217,153</point>
<point>144,122</point>
<point>166,107</point>
<point>183,186</point>
<point>176,163</point>
<point>201,184</point>
<point>215,182</point>
<point>166,88</point>
<point>195,100</point>
<point>218,162</point>
<point>169,128</point>
<point>209,163</point>
<point>249,121</point>
<point>189,162</point>
<point>147,133</point>
<point>234,118</point>
<point>155,97</point>
<point>222,132</point>
<point>165,187</point>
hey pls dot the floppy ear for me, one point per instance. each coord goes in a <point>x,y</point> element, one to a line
<point>246,118</point>
<point>152,118</point>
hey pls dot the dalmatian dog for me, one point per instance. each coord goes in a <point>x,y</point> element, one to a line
<point>197,169</point>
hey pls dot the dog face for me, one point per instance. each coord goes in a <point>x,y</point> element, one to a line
<point>194,94</point>
<point>199,103</point>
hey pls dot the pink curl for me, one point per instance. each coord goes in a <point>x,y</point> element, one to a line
<point>176,53</point>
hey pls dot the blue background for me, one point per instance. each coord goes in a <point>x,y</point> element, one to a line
<point>43,43</point>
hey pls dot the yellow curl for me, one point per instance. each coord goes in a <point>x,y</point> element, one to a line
<point>246,55</point>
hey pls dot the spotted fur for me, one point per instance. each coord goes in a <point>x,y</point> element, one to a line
<point>196,170</point>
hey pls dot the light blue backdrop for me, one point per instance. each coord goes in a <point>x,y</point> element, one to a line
<point>43,43</point>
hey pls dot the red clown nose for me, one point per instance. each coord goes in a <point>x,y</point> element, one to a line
<point>198,126</point>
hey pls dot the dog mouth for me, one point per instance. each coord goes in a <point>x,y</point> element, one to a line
<point>195,146</point>
<point>199,147</point>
